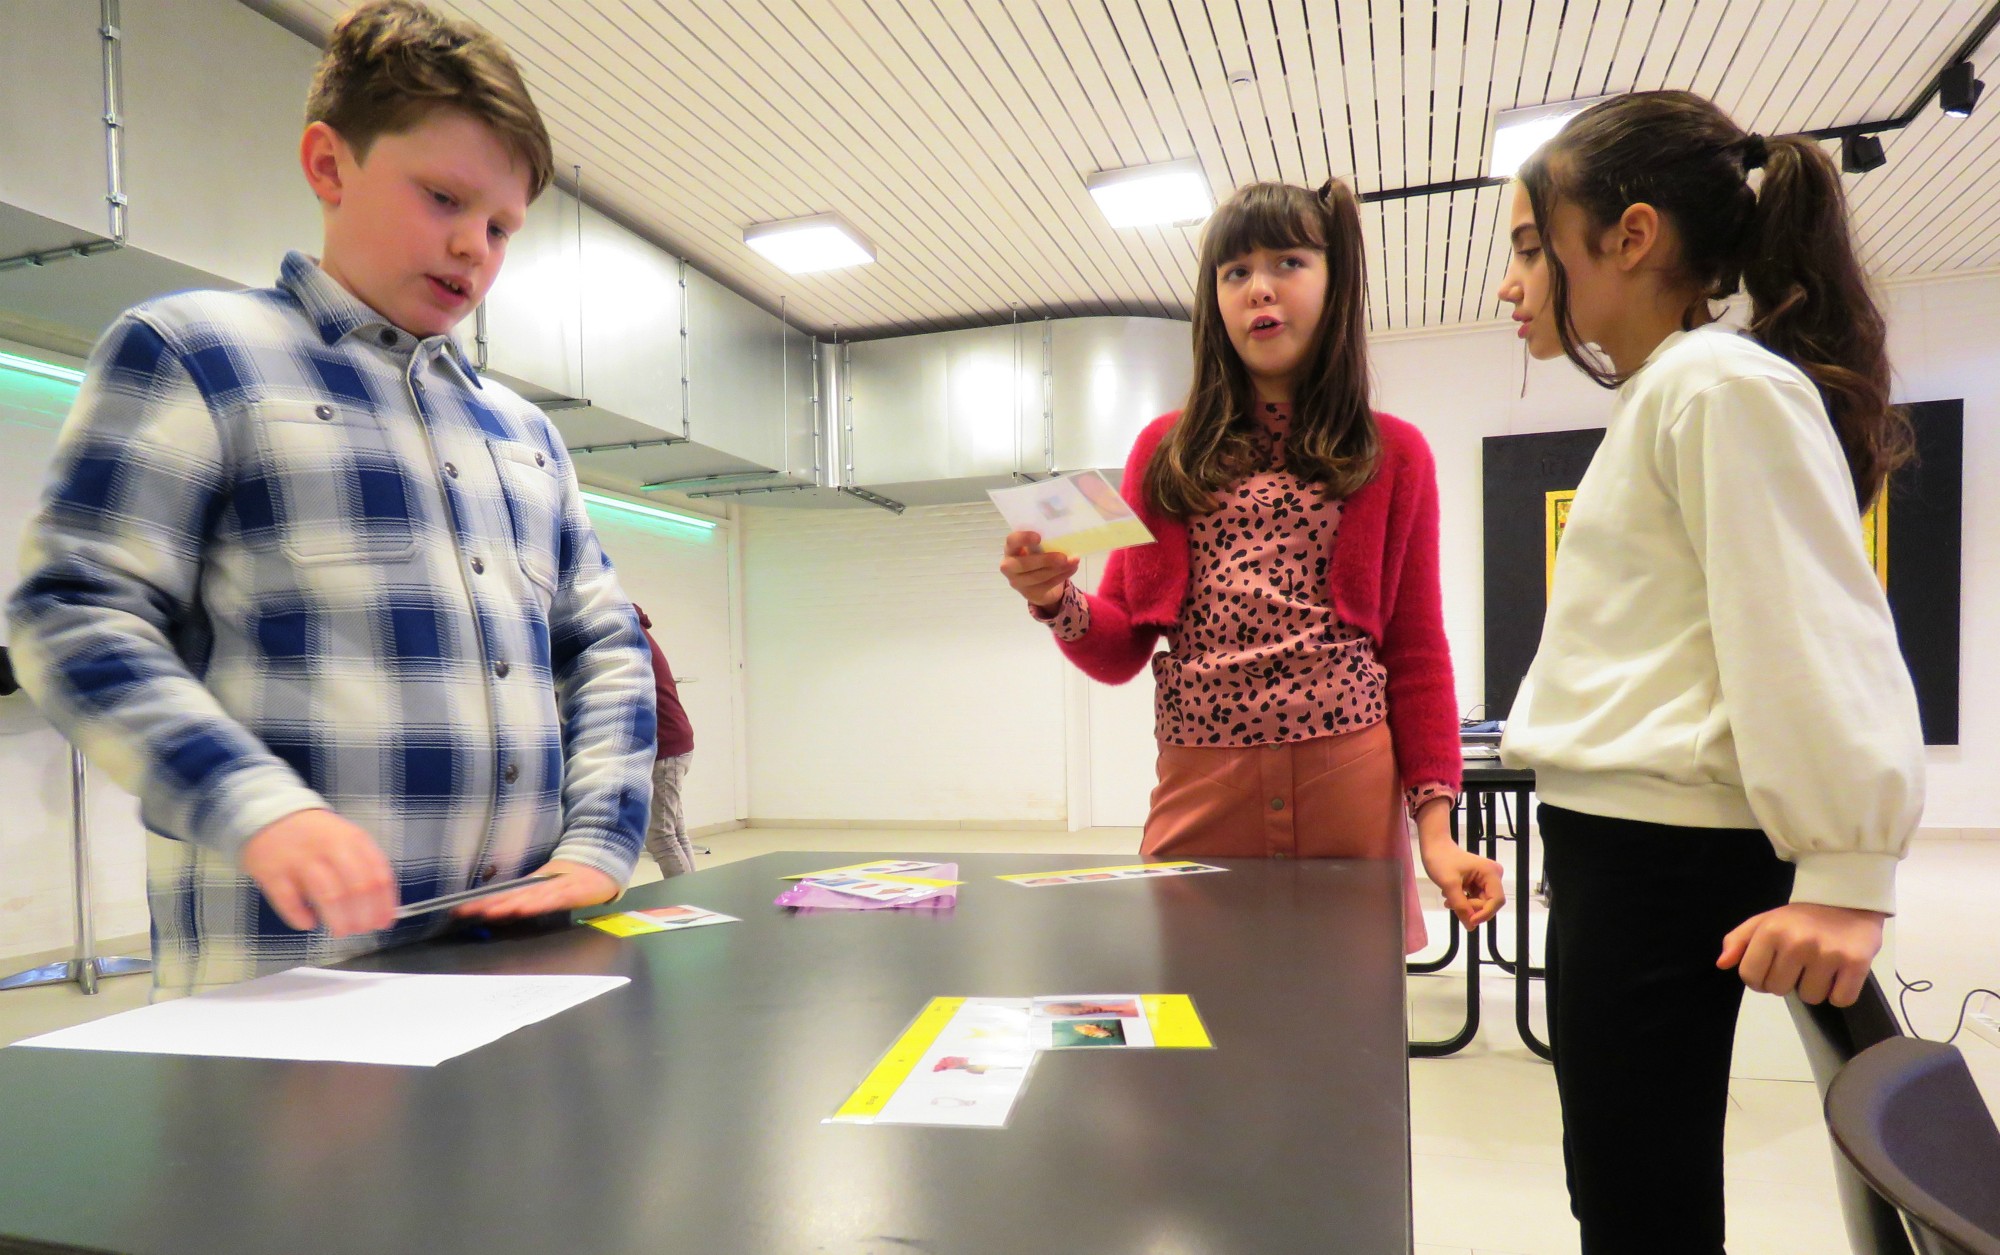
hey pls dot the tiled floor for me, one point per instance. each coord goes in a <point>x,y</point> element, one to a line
<point>1485,1146</point>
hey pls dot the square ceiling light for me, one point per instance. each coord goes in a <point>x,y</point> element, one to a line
<point>802,246</point>
<point>1139,196</point>
<point>1517,133</point>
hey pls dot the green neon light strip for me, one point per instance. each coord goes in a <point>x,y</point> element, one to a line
<point>47,370</point>
<point>650,511</point>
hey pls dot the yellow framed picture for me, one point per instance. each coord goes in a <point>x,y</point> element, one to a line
<point>1555,520</point>
<point>1875,536</point>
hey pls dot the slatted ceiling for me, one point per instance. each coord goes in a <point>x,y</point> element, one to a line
<point>1813,75</point>
<point>1916,215</point>
<point>1311,90</point>
<point>1489,260</point>
<point>1924,225</point>
<point>1046,143</point>
<point>983,185</point>
<point>957,134</point>
<point>598,116</point>
<point>915,142</point>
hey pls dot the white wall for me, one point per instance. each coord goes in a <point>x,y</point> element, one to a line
<point>35,901</point>
<point>685,580</point>
<point>893,675</point>
<point>840,672</point>
<point>1944,336</point>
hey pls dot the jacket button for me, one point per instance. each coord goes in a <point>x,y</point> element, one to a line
<point>501,669</point>
<point>388,337</point>
<point>540,460</point>
<point>323,412</point>
<point>1277,803</point>
<point>512,773</point>
<point>451,470</point>
<point>478,567</point>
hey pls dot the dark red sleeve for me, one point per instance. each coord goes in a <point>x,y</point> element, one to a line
<point>1422,698</point>
<point>676,733</point>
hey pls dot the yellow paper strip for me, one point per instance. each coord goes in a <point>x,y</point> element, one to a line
<point>1084,871</point>
<point>1176,1024</point>
<point>888,1076</point>
<point>624,924</point>
<point>1117,534</point>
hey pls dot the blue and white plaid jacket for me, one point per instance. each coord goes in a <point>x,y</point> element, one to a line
<point>291,557</point>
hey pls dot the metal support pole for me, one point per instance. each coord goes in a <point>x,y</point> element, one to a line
<point>84,967</point>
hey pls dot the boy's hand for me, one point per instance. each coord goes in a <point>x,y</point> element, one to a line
<point>1823,952</point>
<point>575,885</point>
<point>1040,577</point>
<point>318,870</point>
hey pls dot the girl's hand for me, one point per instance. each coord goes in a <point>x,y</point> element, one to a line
<point>1823,952</point>
<point>1471,884</point>
<point>1039,577</point>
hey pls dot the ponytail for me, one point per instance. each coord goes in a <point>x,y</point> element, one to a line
<point>1787,243</point>
<point>1810,304</point>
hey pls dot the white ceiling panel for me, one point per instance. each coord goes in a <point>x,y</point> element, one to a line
<point>957,135</point>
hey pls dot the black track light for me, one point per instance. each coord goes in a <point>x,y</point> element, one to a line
<point>1958,91</point>
<point>1861,153</point>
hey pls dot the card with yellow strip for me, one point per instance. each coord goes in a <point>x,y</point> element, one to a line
<point>1100,875</point>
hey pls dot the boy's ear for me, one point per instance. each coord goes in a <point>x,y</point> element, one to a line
<point>321,150</point>
<point>1636,235</point>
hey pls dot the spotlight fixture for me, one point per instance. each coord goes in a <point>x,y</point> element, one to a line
<point>1958,91</point>
<point>1138,196</point>
<point>802,246</point>
<point>1861,153</point>
<point>1517,133</point>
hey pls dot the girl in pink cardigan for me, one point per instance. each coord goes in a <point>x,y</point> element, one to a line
<point>1304,705</point>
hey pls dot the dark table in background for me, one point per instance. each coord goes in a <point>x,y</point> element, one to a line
<point>682,1112</point>
<point>1486,782</point>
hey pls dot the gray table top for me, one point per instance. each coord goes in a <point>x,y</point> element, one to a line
<point>682,1112</point>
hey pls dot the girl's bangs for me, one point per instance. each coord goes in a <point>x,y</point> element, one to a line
<point>1289,219</point>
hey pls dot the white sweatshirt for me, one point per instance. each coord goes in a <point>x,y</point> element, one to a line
<point>1718,652</point>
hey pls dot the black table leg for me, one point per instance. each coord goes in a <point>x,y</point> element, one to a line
<point>1517,831</point>
<point>1524,882</point>
<point>1459,1040</point>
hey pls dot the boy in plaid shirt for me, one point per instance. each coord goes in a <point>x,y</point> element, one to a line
<point>318,594</point>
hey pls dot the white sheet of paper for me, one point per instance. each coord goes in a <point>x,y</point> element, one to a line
<point>1076,515</point>
<point>411,1020</point>
<point>970,1076</point>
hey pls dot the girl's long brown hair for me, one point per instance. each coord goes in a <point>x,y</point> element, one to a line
<point>1787,243</point>
<point>1333,439</point>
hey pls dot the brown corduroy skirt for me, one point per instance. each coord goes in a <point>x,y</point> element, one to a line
<point>1328,797</point>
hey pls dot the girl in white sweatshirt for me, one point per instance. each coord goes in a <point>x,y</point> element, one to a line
<point>1723,732</point>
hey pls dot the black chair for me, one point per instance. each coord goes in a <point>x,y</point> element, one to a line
<point>1906,1114</point>
<point>1831,1036</point>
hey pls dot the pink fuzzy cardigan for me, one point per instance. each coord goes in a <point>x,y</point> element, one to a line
<point>1383,577</point>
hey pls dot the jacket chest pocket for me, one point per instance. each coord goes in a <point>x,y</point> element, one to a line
<point>331,488</point>
<point>534,496</point>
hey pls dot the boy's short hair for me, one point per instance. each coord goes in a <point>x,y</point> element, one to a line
<point>390,63</point>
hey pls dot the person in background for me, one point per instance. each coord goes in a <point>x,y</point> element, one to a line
<point>317,593</point>
<point>666,829</point>
<point>1723,733</point>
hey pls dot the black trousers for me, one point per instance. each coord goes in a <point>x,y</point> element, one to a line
<point>1642,1022</point>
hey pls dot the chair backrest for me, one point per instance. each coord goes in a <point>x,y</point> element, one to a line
<point>1832,1036</point>
<point>1908,1116</point>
